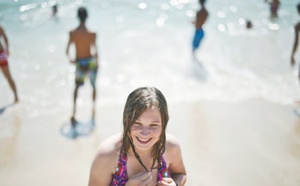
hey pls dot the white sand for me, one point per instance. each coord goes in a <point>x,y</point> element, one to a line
<point>224,144</point>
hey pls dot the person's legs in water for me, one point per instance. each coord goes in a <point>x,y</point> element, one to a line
<point>7,75</point>
<point>273,10</point>
<point>73,119</point>
<point>199,34</point>
<point>299,73</point>
<point>80,75</point>
<point>84,67</point>
<point>93,77</point>
<point>94,103</point>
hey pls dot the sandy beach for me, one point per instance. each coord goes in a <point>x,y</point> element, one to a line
<point>254,142</point>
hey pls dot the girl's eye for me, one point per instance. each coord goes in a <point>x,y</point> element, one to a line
<point>137,125</point>
<point>153,125</point>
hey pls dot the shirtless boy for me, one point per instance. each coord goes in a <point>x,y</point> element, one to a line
<point>86,60</point>
<point>201,17</point>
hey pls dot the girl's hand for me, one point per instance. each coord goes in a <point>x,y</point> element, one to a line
<point>167,182</point>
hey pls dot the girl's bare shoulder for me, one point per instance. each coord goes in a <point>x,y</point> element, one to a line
<point>109,148</point>
<point>172,143</point>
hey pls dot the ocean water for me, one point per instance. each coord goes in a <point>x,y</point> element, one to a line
<point>148,43</point>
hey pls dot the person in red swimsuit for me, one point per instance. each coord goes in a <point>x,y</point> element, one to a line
<point>144,154</point>
<point>4,52</point>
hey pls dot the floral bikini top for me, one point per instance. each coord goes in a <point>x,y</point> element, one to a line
<point>120,176</point>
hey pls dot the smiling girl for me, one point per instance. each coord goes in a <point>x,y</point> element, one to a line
<point>144,154</point>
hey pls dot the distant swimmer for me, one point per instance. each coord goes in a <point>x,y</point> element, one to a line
<point>295,46</point>
<point>249,24</point>
<point>54,10</point>
<point>4,52</point>
<point>274,6</point>
<point>201,18</point>
<point>86,60</point>
<point>296,41</point>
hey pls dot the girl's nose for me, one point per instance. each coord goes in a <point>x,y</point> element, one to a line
<point>145,130</point>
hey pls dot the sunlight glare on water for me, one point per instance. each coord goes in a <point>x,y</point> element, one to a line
<point>148,43</point>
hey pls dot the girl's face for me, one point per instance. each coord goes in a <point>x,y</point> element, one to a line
<point>146,130</point>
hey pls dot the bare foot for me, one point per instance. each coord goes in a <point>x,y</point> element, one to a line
<point>73,121</point>
<point>93,114</point>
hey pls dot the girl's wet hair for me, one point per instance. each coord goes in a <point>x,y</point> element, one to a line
<point>82,14</point>
<point>137,103</point>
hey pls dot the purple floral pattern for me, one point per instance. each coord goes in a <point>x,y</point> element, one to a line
<point>120,176</point>
<point>163,170</point>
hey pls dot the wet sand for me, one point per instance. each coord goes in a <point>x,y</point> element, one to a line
<point>248,143</point>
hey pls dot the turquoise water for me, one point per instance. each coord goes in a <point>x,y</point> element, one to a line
<point>148,43</point>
